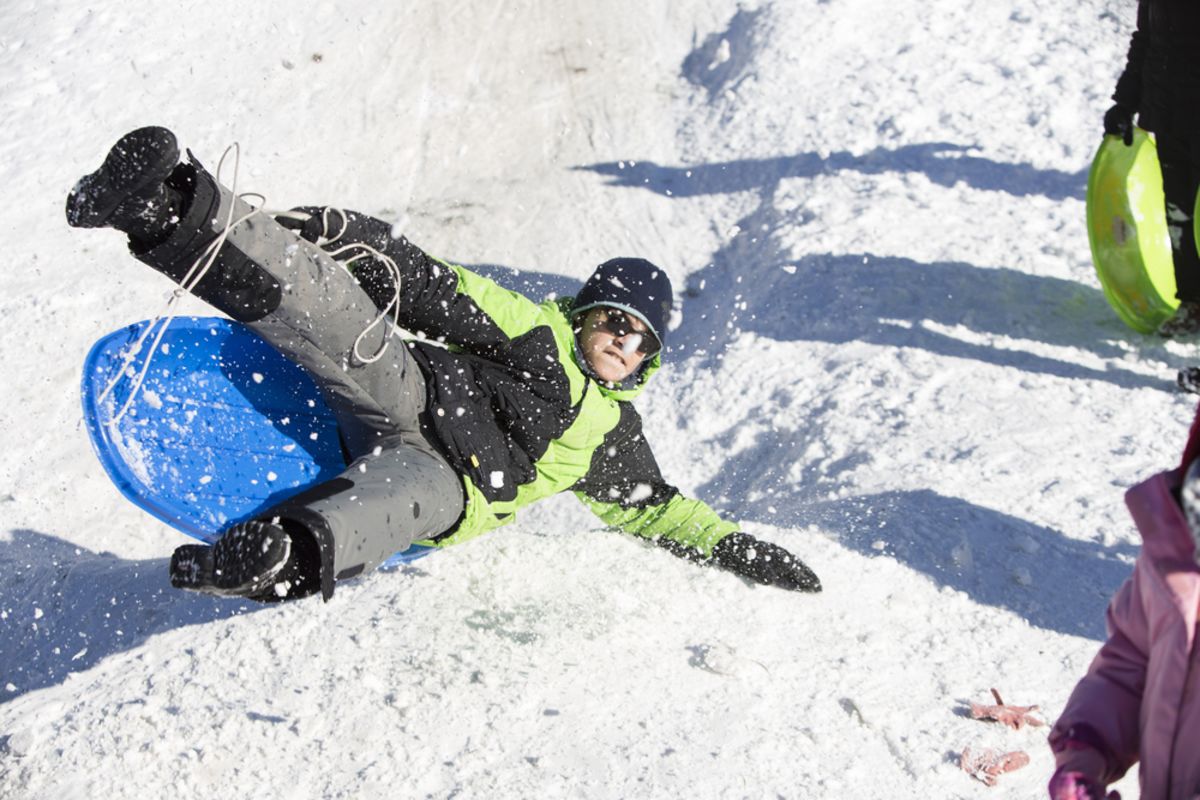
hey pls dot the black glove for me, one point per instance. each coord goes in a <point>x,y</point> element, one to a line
<point>333,228</point>
<point>1118,121</point>
<point>765,563</point>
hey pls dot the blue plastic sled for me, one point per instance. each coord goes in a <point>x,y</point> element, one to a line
<point>222,428</point>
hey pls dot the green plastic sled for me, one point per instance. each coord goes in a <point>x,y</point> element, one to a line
<point>1127,231</point>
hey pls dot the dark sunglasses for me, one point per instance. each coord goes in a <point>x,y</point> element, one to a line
<point>616,322</point>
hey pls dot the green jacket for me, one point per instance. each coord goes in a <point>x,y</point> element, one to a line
<point>514,412</point>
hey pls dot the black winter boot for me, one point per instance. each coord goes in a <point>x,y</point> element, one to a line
<point>129,191</point>
<point>258,559</point>
<point>1188,379</point>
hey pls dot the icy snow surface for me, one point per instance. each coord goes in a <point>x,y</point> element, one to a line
<point>892,357</point>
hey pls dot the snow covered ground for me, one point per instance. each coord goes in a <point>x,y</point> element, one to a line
<point>892,358</point>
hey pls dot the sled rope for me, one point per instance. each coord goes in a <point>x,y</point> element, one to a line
<point>203,263</point>
<point>393,306</point>
<point>158,325</point>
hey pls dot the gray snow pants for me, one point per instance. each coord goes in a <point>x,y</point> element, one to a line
<point>397,488</point>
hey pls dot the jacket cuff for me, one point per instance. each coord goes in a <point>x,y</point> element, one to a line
<point>1081,749</point>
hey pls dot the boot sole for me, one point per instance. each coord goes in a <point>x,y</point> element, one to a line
<point>222,570</point>
<point>139,159</point>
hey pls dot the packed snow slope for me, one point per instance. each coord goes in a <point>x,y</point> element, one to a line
<point>892,357</point>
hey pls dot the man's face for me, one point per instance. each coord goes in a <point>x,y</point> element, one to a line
<point>613,342</point>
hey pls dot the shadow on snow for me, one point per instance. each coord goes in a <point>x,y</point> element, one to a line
<point>948,308</point>
<point>943,163</point>
<point>1050,580</point>
<point>67,608</point>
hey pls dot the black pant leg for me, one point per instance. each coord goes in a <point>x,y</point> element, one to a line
<point>1181,180</point>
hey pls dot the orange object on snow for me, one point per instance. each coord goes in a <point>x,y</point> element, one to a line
<point>988,765</point>
<point>1015,717</point>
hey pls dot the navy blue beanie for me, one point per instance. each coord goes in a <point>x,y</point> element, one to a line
<point>633,285</point>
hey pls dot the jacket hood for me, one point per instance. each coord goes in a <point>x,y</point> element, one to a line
<point>1166,537</point>
<point>1155,507</point>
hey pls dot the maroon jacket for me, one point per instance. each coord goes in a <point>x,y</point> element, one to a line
<point>1140,699</point>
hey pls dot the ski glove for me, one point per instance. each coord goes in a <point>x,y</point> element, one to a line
<point>1073,785</point>
<point>1118,121</point>
<point>765,563</point>
<point>332,229</point>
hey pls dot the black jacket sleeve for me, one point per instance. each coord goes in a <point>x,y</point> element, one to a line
<point>425,296</point>
<point>625,488</point>
<point>432,301</point>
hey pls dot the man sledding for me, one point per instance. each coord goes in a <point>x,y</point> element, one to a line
<point>499,402</point>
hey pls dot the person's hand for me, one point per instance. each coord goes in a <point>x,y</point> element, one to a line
<point>1074,785</point>
<point>332,229</point>
<point>765,563</point>
<point>1118,121</point>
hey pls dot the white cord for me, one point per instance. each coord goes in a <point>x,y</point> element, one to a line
<point>202,264</point>
<point>392,307</point>
<point>324,240</point>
